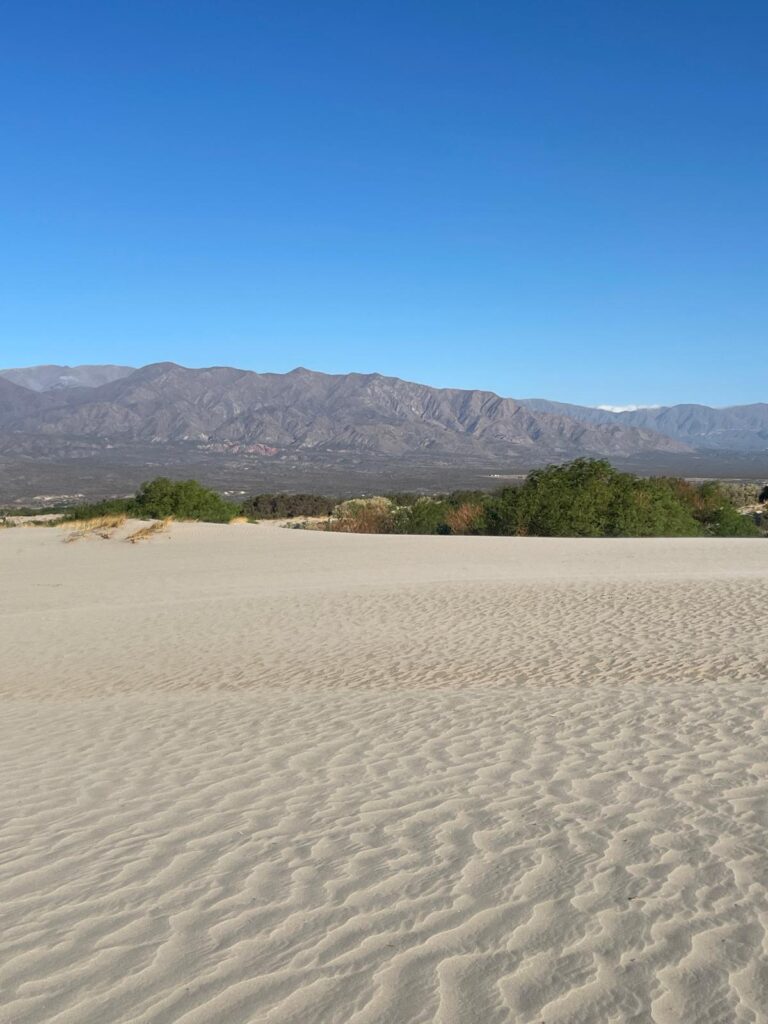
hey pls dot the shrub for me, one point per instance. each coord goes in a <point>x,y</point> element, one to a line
<point>426,515</point>
<point>364,515</point>
<point>181,499</point>
<point>711,505</point>
<point>458,498</point>
<point>466,518</point>
<point>401,499</point>
<point>589,498</point>
<point>160,498</point>
<point>287,506</point>
<point>727,522</point>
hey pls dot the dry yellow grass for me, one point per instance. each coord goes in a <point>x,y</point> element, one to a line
<point>99,526</point>
<point>238,521</point>
<point>98,522</point>
<point>160,526</point>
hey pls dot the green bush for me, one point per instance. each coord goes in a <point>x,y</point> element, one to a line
<point>160,498</point>
<point>182,499</point>
<point>711,504</point>
<point>589,498</point>
<point>727,522</point>
<point>426,515</point>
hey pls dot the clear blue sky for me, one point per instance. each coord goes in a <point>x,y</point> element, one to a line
<point>562,199</point>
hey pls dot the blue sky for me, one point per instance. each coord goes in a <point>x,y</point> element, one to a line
<point>560,199</point>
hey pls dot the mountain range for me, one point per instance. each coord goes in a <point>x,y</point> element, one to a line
<point>171,416</point>
<point>736,428</point>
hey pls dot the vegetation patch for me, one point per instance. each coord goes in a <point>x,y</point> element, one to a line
<point>288,506</point>
<point>162,497</point>
<point>147,532</point>
<point>363,515</point>
<point>584,498</point>
<point>97,526</point>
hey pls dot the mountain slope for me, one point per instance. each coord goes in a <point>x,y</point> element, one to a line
<point>367,413</point>
<point>16,402</point>
<point>734,428</point>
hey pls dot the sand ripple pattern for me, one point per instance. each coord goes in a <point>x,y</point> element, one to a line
<point>255,786</point>
<point>173,615</point>
<point>364,858</point>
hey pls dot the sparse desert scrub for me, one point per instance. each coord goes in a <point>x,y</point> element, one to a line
<point>98,526</point>
<point>147,532</point>
<point>9,522</point>
<point>741,493</point>
<point>466,518</point>
<point>97,522</point>
<point>363,515</point>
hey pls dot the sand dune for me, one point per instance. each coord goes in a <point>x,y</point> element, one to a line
<point>256,775</point>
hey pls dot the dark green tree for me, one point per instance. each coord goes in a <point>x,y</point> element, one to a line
<point>182,499</point>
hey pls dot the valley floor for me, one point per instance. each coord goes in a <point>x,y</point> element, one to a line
<point>261,775</point>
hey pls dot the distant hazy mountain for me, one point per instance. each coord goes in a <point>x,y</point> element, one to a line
<point>16,402</point>
<point>305,411</point>
<point>50,378</point>
<point>737,428</point>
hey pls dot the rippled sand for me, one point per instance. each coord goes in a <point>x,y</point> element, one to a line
<point>258,775</point>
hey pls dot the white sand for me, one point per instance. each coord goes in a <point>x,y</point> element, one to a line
<point>257,775</point>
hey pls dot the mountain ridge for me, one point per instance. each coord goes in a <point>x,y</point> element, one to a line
<point>168,403</point>
<point>51,376</point>
<point>338,433</point>
<point>726,428</point>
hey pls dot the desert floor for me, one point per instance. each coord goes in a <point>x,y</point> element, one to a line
<point>261,775</point>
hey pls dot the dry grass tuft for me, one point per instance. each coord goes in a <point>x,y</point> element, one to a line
<point>97,523</point>
<point>99,526</point>
<point>160,526</point>
<point>238,520</point>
